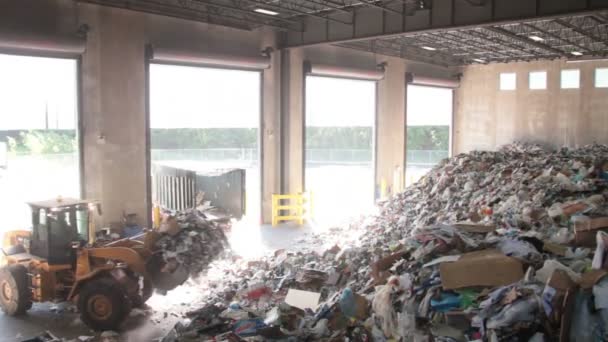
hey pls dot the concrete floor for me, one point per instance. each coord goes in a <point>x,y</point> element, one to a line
<point>67,324</point>
<point>247,240</point>
<point>252,242</point>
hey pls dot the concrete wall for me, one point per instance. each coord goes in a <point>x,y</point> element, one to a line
<point>114,84</point>
<point>113,95</point>
<point>487,118</point>
<point>391,104</point>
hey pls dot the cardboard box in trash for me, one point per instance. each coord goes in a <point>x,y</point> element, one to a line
<point>379,267</point>
<point>585,235</point>
<point>482,268</point>
<point>554,295</point>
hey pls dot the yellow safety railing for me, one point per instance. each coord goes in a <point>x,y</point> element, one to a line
<point>291,207</point>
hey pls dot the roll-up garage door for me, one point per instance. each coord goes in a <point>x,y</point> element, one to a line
<point>39,90</point>
<point>34,44</point>
<point>315,69</point>
<point>429,118</point>
<point>205,118</point>
<point>414,79</point>
<point>175,56</point>
<point>339,140</point>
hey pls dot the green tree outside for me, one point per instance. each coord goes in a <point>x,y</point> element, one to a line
<point>434,138</point>
<point>361,138</point>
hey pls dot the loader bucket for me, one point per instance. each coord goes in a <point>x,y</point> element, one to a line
<point>164,278</point>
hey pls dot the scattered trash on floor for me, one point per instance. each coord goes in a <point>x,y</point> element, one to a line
<point>46,336</point>
<point>488,246</point>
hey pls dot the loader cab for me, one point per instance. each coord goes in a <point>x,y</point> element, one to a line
<point>58,226</point>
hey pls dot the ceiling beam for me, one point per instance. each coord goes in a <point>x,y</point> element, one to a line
<point>470,42</point>
<point>330,6</point>
<point>554,36</point>
<point>365,28</point>
<point>491,41</point>
<point>391,52</point>
<point>528,41</point>
<point>431,54</point>
<point>294,11</point>
<point>598,19</point>
<point>601,16</point>
<point>453,47</point>
<point>580,31</point>
<point>247,12</point>
<point>172,11</point>
<point>396,48</point>
<point>477,3</point>
<point>385,9</point>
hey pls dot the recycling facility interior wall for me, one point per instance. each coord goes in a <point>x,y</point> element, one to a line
<point>390,112</point>
<point>487,117</point>
<point>113,95</point>
<point>113,89</point>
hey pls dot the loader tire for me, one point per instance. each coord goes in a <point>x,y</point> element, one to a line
<point>103,304</point>
<point>15,292</point>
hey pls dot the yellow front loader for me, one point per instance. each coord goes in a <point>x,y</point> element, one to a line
<point>59,261</point>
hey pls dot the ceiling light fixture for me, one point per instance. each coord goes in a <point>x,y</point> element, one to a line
<point>576,53</point>
<point>265,11</point>
<point>479,60</point>
<point>536,38</point>
<point>429,48</point>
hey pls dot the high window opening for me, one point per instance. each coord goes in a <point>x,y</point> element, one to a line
<point>429,129</point>
<point>601,78</point>
<point>538,80</point>
<point>508,81</point>
<point>204,120</point>
<point>339,146</point>
<point>570,79</point>
<point>39,157</point>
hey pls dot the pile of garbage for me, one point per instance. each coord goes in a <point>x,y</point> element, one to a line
<point>497,246</point>
<point>189,244</point>
<point>521,185</point>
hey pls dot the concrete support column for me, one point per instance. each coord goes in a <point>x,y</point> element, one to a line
<point>293,121</point>
<point>113,112</point>
<point>271,129</point>
<point>390,127</point>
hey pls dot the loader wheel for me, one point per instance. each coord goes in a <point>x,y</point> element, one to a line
<point>15,293</point>
<point>103,304</point>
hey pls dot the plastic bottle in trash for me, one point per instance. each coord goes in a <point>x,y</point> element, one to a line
<point>347,303</point>
<point>520,311</point>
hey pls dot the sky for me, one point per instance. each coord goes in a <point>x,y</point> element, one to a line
<point>33,86</point>
<point>338,102</point>
<point>429,106</point>
<point>194,97</point>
